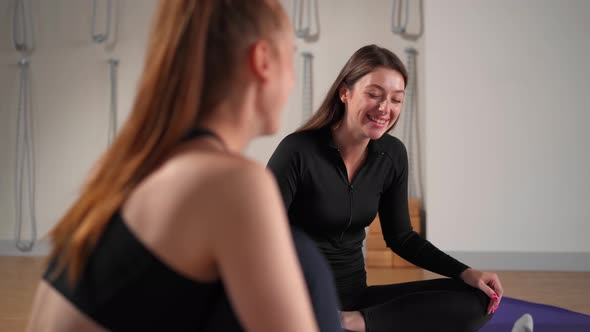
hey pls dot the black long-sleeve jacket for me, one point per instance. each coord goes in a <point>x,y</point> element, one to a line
<point>319,199</point>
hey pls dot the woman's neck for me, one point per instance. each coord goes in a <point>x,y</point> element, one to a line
<point>233,120</point>
<point>233,140</point>
<point>350,147</point>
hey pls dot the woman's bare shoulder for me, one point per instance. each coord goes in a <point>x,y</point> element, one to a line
<point>213,179</point>
<point>201,172</point>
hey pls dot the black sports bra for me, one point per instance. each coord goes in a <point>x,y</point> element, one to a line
<point>125,287</point>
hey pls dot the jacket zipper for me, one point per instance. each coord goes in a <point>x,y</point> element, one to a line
<point>344,173</point>
<point>350,193</point>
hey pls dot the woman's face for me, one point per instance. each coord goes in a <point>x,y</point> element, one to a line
<point>374,103</point>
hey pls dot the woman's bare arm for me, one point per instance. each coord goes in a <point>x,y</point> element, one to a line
<point>254,252</point>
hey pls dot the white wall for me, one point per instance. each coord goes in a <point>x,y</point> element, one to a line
<point>501,94</point>
<point>507,145</point>
<point>70,88</point>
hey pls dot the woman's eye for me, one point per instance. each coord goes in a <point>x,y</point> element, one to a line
<point>372,95</point>
<point>395,101</point>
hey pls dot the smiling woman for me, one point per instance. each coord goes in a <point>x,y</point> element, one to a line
<point>341,169</point>
<point>368,65</point>
<point>374,102</point>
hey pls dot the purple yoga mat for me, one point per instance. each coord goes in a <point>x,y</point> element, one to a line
<point>546,318</point>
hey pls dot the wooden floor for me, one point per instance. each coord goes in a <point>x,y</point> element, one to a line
<point>18,279</point>
<point>570,290</point>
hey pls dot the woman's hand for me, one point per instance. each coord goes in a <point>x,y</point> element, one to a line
<point>488,282</point>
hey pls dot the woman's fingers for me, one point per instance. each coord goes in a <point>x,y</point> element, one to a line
<point>495,299</point>
<point>493,284</point>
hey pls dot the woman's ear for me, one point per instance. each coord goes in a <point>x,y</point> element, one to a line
<point>343,93</point>
<point>259,59</point>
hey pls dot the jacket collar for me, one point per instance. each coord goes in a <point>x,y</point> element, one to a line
<point>328,139</point>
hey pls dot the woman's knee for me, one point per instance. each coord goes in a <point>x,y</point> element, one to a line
<point>469,305</point>
<point>475,315</point>
<point>471,297</point>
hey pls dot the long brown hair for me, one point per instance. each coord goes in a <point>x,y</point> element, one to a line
<point>363,61</point>
<point>194,51</point>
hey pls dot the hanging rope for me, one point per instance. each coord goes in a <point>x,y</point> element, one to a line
<point>410,127</point>
<point>22,27</point>
<point>399,23</point>
<point>306,21</point>
<point>307,87</point>
<point>301,25</point>
<point>303,15</point>
<point>112,131</point>
<point>101,37</point>
<point>400,17</point>
<point>24,191</point>
<point>24,179</point>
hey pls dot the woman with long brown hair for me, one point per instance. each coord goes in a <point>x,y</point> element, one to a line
<point>338,171</point>
<point>175,230</point>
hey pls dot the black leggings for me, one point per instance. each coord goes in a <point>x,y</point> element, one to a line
<point>320,284</point>
<point>442,305</point>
